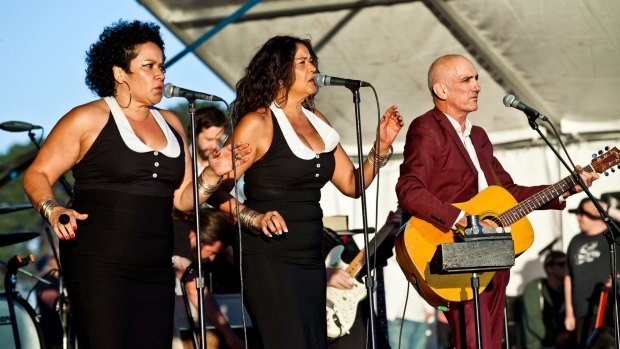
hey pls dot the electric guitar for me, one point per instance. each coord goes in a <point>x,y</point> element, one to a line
<point>416,247</point>
<point>342,304</point>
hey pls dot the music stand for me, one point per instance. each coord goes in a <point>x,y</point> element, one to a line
<point>481,250</point>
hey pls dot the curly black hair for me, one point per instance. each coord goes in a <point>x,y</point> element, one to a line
<point>117,47</point>
<point>272,64</point>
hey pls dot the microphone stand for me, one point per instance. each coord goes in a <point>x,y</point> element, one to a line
<point>62,307</point>
<point>355,89</point>
<point>200,283</point>
<point>611,225</point>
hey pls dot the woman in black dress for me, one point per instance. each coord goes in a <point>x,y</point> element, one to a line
<point>294,152</point>
<point>131,166</point>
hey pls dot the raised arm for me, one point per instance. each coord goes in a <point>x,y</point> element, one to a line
<point>346,176</point>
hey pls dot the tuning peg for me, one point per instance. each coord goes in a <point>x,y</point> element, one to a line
<point>606,148</point>
<point>613,170</point>
<point>594,155</point>
<point>600,152</point>
<point>606,173</point>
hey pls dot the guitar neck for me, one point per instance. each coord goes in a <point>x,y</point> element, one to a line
<point>359,261</point>
<point>539,199</point>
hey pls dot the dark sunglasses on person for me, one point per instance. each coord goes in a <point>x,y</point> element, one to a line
<point>589,215</point>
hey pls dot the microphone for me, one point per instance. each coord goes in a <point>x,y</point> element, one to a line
<point>174,91</point>
<point>18,126</point>
<point>511,101</point>
<point>325,80</point>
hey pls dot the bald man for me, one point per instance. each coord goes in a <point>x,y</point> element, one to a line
<point>448,160</point>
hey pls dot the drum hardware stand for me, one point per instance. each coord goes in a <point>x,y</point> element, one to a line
<point>9,285</point>
<point>482,249</point>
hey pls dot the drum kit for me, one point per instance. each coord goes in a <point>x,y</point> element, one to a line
<point>19,323</point>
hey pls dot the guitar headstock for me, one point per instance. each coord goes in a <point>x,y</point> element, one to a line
<point>607,160</point>
<point>394,217</point>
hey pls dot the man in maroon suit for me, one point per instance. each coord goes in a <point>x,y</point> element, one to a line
<point>448,160</point>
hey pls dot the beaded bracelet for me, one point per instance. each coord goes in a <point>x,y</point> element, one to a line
<point>246,218</point>
<point>46,205</point>
<point>205,188</point>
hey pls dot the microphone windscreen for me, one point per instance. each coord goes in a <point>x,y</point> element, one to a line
<point>508,99</point>
<point>319,80</point>
<point>169,90</point>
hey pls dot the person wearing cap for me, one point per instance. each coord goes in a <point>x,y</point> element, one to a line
<point>587,270</point>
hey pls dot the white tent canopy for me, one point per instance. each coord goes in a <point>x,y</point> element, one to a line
<point>558,56</point>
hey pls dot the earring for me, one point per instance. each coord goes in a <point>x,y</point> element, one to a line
<point>128,103</point>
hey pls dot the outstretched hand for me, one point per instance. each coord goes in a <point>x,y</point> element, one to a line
<point>221,160</point>
<point>65,230</point>
<point>390,125</point>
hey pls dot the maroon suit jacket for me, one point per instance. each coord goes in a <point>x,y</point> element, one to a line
<point>437,171</point>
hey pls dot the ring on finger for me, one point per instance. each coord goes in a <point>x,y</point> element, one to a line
<point>63,219</point>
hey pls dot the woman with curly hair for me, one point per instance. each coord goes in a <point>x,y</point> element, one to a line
<point>131,166</point>
<point>294,153</point>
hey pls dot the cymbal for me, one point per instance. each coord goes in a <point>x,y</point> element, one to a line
<point>14,238</point>
<point>8,209</point>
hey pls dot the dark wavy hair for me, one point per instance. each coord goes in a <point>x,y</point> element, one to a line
<point>272,64</point>
<point>117,47</point>
<point>209,116</point>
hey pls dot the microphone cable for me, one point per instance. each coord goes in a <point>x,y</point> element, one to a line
<point>233,121</point>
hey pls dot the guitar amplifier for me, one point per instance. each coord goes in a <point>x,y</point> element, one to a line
<point>473,256</point>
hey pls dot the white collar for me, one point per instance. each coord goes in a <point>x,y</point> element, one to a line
<point>172,148</point>
<point>327,133</point>
<point>457,126</point>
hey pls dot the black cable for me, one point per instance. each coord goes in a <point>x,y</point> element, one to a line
<point>239,231</point>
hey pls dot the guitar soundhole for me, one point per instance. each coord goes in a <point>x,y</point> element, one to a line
<point>495,221</point>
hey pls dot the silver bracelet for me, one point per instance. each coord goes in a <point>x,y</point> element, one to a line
<point>46,205</point>
<point>205,188</point>
<point>246,218</point>
<point>378,160</point>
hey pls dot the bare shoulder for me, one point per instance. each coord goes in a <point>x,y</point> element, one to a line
<point>85,118</point>
<point>256,121</point>
<point>255,129</point>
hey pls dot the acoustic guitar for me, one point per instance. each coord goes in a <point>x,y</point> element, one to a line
<point>416,247</point>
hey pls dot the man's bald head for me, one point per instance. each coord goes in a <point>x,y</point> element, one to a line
<point>442,70</point>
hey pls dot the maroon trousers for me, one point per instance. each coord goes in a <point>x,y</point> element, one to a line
<point>461,316</point>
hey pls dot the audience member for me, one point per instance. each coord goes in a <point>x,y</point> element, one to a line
<point>588,269</point>
<point>543,307</point>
